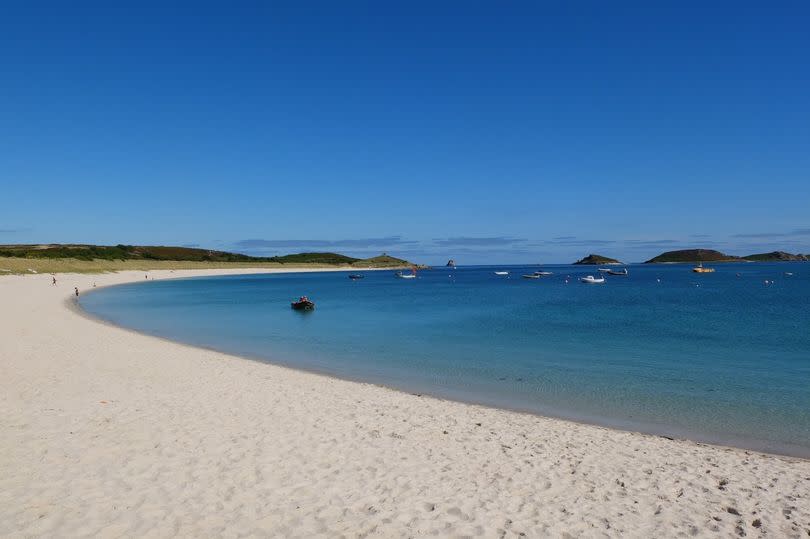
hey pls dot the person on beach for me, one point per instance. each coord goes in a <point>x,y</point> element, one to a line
<point>54,280</point>
<point>76,288</point>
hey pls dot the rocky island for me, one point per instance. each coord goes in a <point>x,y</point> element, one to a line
<point>693,255</point>
<point>710,255</point>
<point>776,256</point>
<point>596,260</point>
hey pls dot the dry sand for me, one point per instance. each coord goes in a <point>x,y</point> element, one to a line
<point>108,433</point>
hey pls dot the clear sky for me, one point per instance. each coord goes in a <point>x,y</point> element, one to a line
<point>482,131</point>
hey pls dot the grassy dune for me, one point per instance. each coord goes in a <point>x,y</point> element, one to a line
<point>72,265</point>
<point>10,266</point>
<point>54,258</point>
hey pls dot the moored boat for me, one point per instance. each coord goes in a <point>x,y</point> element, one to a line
<point>501,273</point>
<point>400,275</point>
<point>355,276</point>
<point>618,272</point>
<point>303,304</point>
<point>531,276</point>
<point>700,269</point>
<point>590,279</point>
<point>543,273</point>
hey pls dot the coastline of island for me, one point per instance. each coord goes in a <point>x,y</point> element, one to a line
<point>125,406</point>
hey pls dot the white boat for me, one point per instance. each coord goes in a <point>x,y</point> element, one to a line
<point>603,270</point>
<point>618,272</point>
<point>501,273</point>
<point>400,275</point>
<point>531,276</point>
<point>700,269</point>
<point>543,273</point>
<point>590,279</point>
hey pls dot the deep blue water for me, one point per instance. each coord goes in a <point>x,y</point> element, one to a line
<point>719,357</point>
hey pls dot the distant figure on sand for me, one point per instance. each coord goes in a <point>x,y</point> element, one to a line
<point>76,288</point>
<point>54,281</point>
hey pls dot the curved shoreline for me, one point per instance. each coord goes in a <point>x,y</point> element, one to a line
<point>634,427</point>
<point>108,433</point>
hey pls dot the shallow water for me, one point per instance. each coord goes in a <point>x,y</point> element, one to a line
<point>718,357</point>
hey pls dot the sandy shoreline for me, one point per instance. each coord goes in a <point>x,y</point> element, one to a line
<point>105,432</point>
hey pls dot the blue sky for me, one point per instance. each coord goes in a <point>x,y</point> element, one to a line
<point>482,131</point>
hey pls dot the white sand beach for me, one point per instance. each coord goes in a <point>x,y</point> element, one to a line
<point>108,433</point>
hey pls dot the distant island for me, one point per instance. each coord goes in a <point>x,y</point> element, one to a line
<point>692,255</point>
<point>776,256</point>
<point>710,255</point>
<point>597,260</point>
<point>90,258</point>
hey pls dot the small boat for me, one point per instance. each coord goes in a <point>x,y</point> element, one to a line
<point>590,279</point>
<point>543,273</point>
<point>501,273</point>
<point>531,276</point>
<point>700,269</point>
<point>788,274</point>
<point>400,275</point>
<point>603,270</point>
<point>355,276</point>
<point>617,272</point>
<point>303,304</point>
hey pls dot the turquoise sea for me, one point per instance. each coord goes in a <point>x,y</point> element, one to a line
<point>720,357</point>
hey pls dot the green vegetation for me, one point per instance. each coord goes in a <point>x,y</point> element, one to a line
<point>316,258</point>
<point>775,256</point>
<point>122,252</point>
<point>709,255</point>
<point>335,259</point>
<point>596,260</point>
<point>55,258</point>
<point>384,261</point>
<point>693,255</point>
